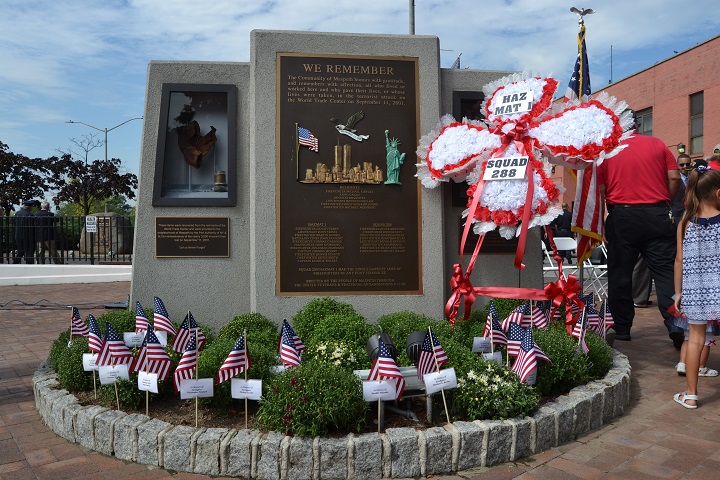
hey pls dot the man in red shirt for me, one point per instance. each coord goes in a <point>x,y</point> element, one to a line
<point>638,185</point>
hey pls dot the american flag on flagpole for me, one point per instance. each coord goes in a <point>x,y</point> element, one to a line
<point>236,362</point>
<point>141,321</point>
<point>154,355</point>
<point>539,318</point>
<point>78,327</point>
<point>456,63</point>
<point>580,331</point>
<point>514,339</point>
<point>606,316</point>
<point>594,322</point>
<point>188,327</point>
<point>307,139</point>
<point>187,365</point>
<point>587,210</point>
<point>493,321</point>
<point>289,353</point>
<point>385,368</point>
<point>114,350</point>
<point>161,317</point>
<point>528,356</point>
<point>95,338</point>
<point>430,352</point>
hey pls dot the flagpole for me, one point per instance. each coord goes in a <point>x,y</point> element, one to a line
<point>147,392</point>
<point>71,325</point>
<point>247,350</point>
<point>437,368</point>
<point>196,372</point>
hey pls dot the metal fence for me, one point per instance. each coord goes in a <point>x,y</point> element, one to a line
<point>62,239</point>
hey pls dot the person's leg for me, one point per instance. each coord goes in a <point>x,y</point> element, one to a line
<point>621,232</point>
<point>642,283</point>
<point>695,345</point>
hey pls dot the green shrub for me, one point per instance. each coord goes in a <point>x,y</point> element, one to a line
<point>69,366</point>
<point>348,332</point>
<point>569,367</point>
<point>259,329</point>
<point>400,325</point>
<point>599,357</point>
<point>57,348</point>
<point>491,391</point>
<point>313,399</point>
<point>305,321</point>
<point>127,392</point>
<point>465,330</point>
<point>121,320</point>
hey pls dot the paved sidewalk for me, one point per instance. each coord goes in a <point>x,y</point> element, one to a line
<point>656,438</point>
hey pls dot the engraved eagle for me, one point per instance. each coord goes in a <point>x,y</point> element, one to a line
<point>347,128</point>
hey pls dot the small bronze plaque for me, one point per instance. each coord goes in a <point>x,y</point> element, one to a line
<point>192,237</point>
<point>492,244</point>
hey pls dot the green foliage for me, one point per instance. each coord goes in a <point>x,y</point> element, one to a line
<point>121,320</point>
<point>400,325</point>
<point>259,329</point>
<point>307,319</point>
<point>313,399</point>
<point>57,348</point>
<point>127,393</point>
<point>599,357</point>
<point>491,391</point>
<point>69,366</point>
<point>465,330</point>
<point>569,367</point>
<point>347,332</point>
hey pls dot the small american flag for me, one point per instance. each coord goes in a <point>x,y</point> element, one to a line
<point>516,316</point>
<point>187,365</point>
<point>580,330</point>
<point>114,350</point>
<point>306,138</point>
<point>385,368</point>
<point>289,353</point>
<point>593,318</point>
<point>237,361</point>
<point>606,316</point>
<point>514,338</point>
<point>141,321</point>
<point>430,352</point>
<point>539,318</point>
<point>528,356</point>
<point>79,328</point>
<point>152,353</point>
<point>498,336</point>
<point>161,317</point>
<point>95,338</point>
<point>189,325</point>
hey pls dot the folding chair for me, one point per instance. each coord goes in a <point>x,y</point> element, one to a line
<point>597,274</point>
<point>562,243</point>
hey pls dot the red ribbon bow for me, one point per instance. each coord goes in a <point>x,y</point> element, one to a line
<point>461,287</point>
<point>565,291</point>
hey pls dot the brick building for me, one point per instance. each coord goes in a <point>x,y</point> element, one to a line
<point>676,100</point>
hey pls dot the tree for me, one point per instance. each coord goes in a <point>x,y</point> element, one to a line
<point>87,183</point>
<point>22,178</point>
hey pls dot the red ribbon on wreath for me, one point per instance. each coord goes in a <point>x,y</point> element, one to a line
<point>565,291</point>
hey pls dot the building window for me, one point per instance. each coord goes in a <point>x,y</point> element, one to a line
<point>644,121</point>
<point>696,123</point>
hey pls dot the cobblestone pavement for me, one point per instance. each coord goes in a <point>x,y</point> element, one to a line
<point>656,438</point>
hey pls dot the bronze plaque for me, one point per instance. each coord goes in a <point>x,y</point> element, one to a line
<point>192,237</point>
<point>348,202</point>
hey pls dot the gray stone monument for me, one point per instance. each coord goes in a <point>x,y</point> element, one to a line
<point>295,143</point>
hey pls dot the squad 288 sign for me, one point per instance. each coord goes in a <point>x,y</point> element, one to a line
<point>507,168</point>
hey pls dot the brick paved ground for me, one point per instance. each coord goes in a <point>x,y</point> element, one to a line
<point>656,438</point>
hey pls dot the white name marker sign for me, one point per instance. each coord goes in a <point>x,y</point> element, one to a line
<point>147,382</point>
<point>89,360</point>
<point>133,339</point>
<point>493,357</point>
<point>111,373</point>
<point>250,389</point>
<point>442,380</point>
<point>531,378</point>
<point>200,388</point>
<point>374,390</point>
<point>510,103</point>
<point>506,168</point>
<point>481,344</point>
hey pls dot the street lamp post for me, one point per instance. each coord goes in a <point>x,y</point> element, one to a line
<point>105,131</point>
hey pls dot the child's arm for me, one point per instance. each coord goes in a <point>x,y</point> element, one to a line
<point>678,267</point>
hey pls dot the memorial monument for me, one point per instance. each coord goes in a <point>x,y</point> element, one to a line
<point>315,138</point>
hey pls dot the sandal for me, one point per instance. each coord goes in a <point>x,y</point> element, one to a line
<point>685,397</point>
<point>707,372</point>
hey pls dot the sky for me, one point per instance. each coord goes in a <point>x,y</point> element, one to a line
<point>86,60</point>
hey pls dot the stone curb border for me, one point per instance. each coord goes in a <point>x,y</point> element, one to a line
<point>397,453</point>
